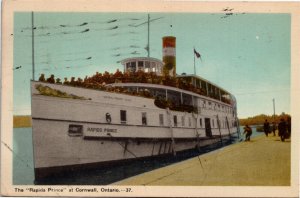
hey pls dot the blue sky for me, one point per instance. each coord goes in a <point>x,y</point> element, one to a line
<point>246,54</point>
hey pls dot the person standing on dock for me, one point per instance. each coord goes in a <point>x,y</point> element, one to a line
<point>266,127</point>
<point>248,132</point>
<point>282,129</point>
<point>289,125</point>
<point>274,128</point>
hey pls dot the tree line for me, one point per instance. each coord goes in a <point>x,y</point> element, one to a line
<point>260,119</point>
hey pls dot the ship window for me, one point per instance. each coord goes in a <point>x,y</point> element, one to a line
<point>200,122</point>
<point>159,69</point>
<point>203,86</point>
<point>132,66</point>
<point>182,120</point>
<point>197,83</point>
<point>147,64</point>
<point>161,119</point>
<point>174,97</point>
<point>175,120</point>
<point>160,94</point>
<point>123,116</point>
<point>140,63</point>
<point>190,122</point>
<point>144,118</point>
<point>153,65</point>
<point>187,99</point>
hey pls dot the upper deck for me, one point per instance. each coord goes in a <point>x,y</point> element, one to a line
<point>191,83</point>
<point>208,88</point>
<point>149,82</point>
<point>173,97</point>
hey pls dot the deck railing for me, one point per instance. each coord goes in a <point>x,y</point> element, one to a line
<point>99,81</point>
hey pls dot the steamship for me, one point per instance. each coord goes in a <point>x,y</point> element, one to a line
<point>79,127</point>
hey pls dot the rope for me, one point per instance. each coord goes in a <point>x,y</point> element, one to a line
<point>125,148</point>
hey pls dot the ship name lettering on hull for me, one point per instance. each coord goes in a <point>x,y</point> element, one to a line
<point>117,98</point>
<point>99,130</point>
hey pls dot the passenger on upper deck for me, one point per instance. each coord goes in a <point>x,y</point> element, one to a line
<point>42,78</point>
<point>51,79</point>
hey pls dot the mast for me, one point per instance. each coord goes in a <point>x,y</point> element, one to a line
<point>148,45</point>
<point>194,62</point>
<point>274,109</point>
<point>32,39</point>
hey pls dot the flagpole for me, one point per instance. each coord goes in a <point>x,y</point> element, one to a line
<point>194,62</point>
<point>32,40</point>
<point>274,109</point>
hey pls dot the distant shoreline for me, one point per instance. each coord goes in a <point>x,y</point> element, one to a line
<point>22,121</point>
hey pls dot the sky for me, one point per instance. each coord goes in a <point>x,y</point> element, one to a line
<point>247,54</point>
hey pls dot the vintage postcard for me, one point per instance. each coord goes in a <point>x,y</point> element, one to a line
<point>150,98</point>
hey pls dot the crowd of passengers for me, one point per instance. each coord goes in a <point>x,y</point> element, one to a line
<point>99,81</point>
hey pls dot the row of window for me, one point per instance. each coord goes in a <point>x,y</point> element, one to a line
<point>209,89</point>
<point>143,65</point>
<point>203,122</point>
<point>182,98</point>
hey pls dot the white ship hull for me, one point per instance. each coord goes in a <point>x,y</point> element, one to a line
<point>76,132</point>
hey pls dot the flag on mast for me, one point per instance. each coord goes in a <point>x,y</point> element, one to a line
<point>198,55</point>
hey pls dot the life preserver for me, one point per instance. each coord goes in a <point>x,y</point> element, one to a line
<point>108,118</point>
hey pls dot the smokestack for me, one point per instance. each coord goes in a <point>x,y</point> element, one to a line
<point>169,56</point>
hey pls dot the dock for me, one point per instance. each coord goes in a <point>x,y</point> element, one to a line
<point>264,161</point>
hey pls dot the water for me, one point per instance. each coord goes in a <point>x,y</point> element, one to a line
<point>23,169</point>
